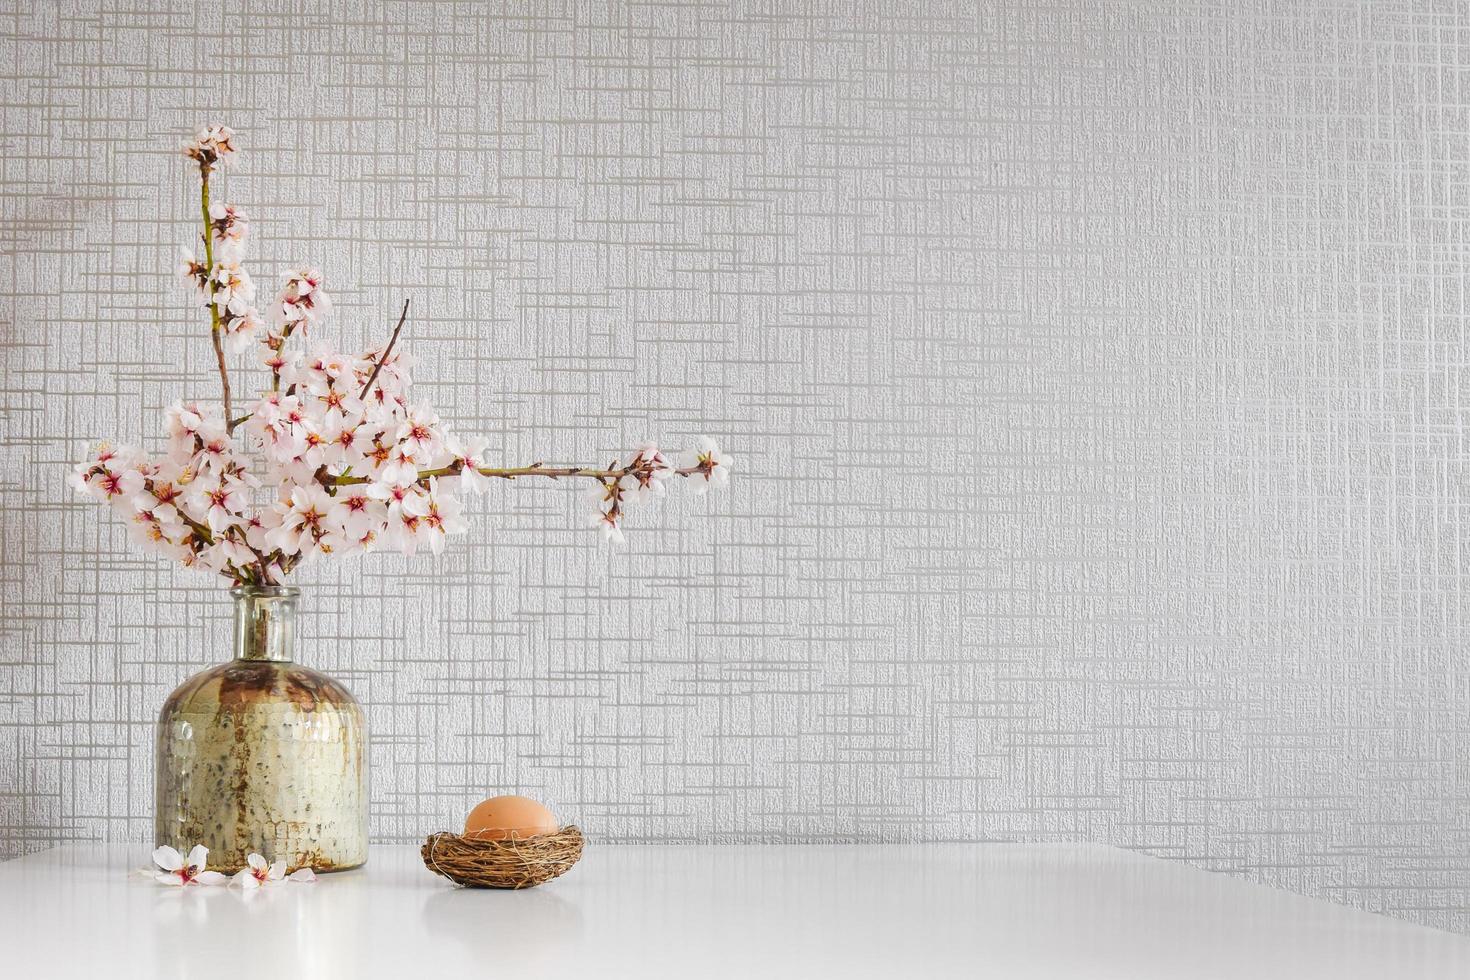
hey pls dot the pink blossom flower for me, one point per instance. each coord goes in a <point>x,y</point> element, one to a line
<point>116,485</point>
<point>272,355</point>
<point>217,501</point>
<point>302,517</point>
<point>177,870</point>
<point>418,434</point>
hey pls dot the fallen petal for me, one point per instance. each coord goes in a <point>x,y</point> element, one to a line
<point>198,857</point>
<point>209,878</point>
<point>167,858</point>
<point>302,874</point>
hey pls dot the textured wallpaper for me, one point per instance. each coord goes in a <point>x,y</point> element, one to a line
<point>1097,374</point>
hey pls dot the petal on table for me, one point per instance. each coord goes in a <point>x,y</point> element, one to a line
<point>167,858</point>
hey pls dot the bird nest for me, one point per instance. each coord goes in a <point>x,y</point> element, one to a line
<point>516,863</point>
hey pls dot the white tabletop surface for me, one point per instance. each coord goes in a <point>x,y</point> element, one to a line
<point>1010,911</point>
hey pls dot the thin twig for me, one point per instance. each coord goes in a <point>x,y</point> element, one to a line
<point>386,351</point>
<point>214,323</point>
<point>512,472</point>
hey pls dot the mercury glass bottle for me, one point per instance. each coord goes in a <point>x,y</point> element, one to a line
<point>261,754</point>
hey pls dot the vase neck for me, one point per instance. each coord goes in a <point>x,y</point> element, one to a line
<point>265,622</point>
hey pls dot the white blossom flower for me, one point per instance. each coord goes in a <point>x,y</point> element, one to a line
<point>375,459</point>
<point>226,553</point>
<point>212,146</point>
<point>441,517</point>
<point>241,330</point>
<point>272,356</point>
<point>649,471</point>
<point>338,543</point>
<point>340,443</point>
<point>323,371</point>
<point>193,272</point>
<point>469,454</point>
<point>254,528</point>
<point>189,426</point>
<point>301,300</point>
<point>340,402</point>
<point>178,870</point>
<point>610,524</point>
<point>233,289</point>
<point>229,227</point>
<point>356,512</point>
<point>402,466</point>
<point>279,422</point>
<point>161,530</point>
<point>258,871</point>
<point>399,498</point>
<point>216,453</point>
<point>712,466</point>
<point>607,500</point>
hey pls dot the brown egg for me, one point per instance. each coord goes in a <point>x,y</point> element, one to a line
<point>509,817</point>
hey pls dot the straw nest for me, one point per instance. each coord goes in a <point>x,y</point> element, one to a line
<point>526,863</point>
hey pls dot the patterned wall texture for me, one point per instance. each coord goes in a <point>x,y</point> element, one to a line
<point>1097,372</point>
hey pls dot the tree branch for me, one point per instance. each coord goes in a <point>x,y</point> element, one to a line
<point>512,472</point>
<point>386,351</point>
<point>215,330</point>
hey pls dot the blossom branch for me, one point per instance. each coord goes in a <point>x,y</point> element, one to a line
<point>512,472</point>
<point>386,351</point>
<point>344,460</point>
<point>215,330</point>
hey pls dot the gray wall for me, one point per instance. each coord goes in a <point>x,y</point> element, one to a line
<point>1097,373</point>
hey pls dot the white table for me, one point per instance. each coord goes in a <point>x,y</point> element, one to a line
<point>954,910</point>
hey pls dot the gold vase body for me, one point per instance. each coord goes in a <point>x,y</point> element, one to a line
<point>263,755</point>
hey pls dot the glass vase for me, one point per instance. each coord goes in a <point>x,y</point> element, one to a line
<point>263,755</point>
